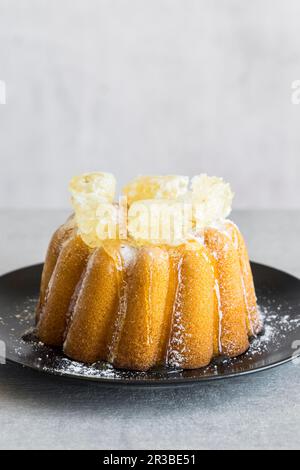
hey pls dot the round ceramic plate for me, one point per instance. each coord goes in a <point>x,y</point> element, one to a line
<point>278,297</point>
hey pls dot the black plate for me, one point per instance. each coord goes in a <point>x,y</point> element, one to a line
<point>278,297</point>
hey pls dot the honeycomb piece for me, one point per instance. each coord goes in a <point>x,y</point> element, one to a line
<point>96,216</point>
<point>156,187</point>
<point>93,187</point>
<point>211,198</point>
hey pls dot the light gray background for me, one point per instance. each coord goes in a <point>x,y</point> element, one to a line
<point>149,86</point>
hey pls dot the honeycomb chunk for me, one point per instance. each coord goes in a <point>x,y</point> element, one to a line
<point>156,187</point>
<point>93,187</point>
<point>211,198</point>
<point>96,216</point>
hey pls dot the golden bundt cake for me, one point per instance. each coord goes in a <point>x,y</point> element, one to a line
<point>141,302</point>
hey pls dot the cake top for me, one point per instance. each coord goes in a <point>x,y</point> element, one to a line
<point>152,209</point>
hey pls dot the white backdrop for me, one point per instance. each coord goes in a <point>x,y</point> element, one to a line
<point>149,86</point>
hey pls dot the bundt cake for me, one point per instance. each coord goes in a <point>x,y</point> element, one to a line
<point>143,301</point>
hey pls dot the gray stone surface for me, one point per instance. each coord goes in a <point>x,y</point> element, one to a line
<point>258,411</point>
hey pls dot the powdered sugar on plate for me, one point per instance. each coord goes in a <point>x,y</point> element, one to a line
<point>280,321</point>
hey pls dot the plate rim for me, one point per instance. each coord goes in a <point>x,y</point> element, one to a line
<point>152,383</point>
<point>147,382</point>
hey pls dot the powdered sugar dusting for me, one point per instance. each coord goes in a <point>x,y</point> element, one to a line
<point>218,294</point>
<point>279,320</point>
<point>177,347</point>
<point>282,325</point>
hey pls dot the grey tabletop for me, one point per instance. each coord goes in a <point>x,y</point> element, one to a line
<point>257,411</point>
